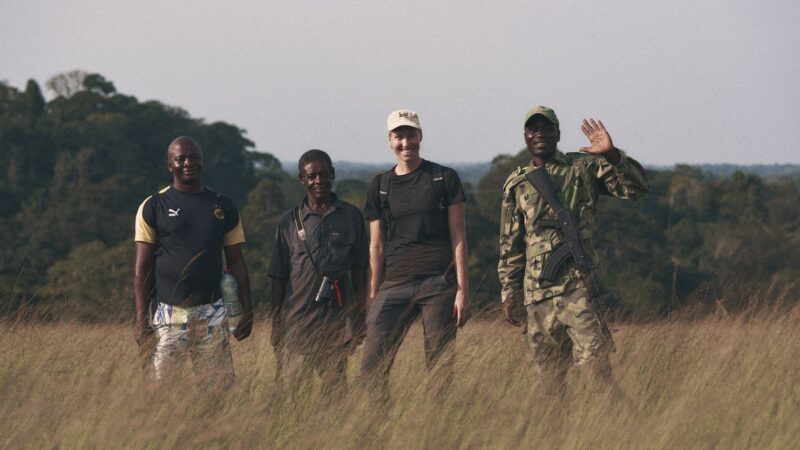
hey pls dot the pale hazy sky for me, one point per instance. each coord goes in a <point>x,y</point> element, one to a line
<point>674,81</point>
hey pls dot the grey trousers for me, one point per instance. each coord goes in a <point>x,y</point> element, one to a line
<point>391,315</point>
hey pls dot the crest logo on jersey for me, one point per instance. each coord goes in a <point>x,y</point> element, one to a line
<point>219,213</point>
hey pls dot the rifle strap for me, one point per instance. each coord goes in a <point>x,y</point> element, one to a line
<point>541,181</point>
<point>564,220</point>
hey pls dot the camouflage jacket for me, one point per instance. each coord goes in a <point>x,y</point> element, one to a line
<point>524,249</point>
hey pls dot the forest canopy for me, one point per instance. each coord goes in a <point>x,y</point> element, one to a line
<point>75,169</point>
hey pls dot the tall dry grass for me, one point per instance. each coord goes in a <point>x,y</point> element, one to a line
<point>718,382</point>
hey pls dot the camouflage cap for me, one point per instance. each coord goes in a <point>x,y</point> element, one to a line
<point>402,118</point>
<point>542,111</point>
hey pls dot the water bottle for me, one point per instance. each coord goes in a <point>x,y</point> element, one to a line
<point>230,297</point>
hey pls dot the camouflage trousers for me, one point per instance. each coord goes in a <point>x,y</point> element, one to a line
<point>563,331</point>
<point>197,334</point>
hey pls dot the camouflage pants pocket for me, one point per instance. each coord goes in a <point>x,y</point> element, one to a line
<point>588,340</point>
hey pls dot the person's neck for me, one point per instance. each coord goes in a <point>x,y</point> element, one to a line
<point>191,188</point>
<point>320,205</point>
<point>406,167</point>
<point>539,162</point>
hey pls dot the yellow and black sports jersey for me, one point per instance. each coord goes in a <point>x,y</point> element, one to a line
<point>189,231</point>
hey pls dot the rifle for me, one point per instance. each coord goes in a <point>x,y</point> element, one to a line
<point>571,247</point>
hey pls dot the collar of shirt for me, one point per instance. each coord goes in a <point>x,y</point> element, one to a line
<point>305,210</point>
<point>558,159</point>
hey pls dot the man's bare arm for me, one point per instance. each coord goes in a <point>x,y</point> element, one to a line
<point>143,287</point>
<point>458,241</point>
<point>377,247</point>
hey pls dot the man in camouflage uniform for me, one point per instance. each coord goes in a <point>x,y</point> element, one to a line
<point>561,326</point>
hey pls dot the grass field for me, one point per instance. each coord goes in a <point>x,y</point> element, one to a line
<point>716,382</point>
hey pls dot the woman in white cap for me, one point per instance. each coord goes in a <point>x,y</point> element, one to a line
<point>418,256</point>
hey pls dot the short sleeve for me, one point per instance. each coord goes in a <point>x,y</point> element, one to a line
<point>143,230</point>
<point>372,207</point>
<point>453,187</point>
<point>234,233</point>
<point>234,236</point>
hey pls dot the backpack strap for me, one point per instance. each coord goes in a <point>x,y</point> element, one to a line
<point>301,233</point>
<point>383,192</point>
<point>438,181</point>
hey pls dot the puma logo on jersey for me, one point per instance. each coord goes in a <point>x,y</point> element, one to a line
<point>174,212</point>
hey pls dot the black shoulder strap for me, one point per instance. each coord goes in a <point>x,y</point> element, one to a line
<point>298,224</point>
<point>543,184</point>
<point>383,190</point>
<point>438,181</point>
<point>301,233</point>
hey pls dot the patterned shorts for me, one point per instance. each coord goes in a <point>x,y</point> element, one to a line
<point>198,334</point>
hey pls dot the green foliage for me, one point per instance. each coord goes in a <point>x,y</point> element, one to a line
<point>352,191</point>
<point>92,283</point>
<point>265,204</point>
<point>490,188</point>
<point>75,169</point>
<point>34,98</point>
<point>693,238</point>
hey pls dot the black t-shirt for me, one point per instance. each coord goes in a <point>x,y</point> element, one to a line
<point>189,230</point>
<point>417,235</point>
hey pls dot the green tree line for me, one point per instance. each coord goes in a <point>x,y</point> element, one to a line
<point>75,169</point>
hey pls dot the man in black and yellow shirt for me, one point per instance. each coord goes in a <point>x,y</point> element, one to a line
<point>181,233</point>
